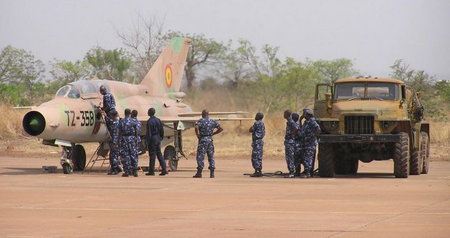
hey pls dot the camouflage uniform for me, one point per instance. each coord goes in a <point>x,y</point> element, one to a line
<point>298,151</point>
<point>138,129</point>
<point>258,133</point>
<point>154,135</point>
<point>205,143</point>
<point>127,142</point>
<point>108,102</point>
<point>309,147</point>
<point>289,145</point>
<point>113,128</point>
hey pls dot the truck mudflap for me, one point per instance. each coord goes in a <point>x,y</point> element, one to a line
<point>358,138</point>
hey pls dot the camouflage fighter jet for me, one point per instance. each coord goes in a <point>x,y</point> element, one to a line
<point>74,116</point>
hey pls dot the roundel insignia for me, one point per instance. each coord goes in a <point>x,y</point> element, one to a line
<point>168,76</point>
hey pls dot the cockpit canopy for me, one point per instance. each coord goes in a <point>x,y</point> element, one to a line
<point>79,88</point>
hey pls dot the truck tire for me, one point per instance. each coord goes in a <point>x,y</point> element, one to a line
<point>326,157</point>
<point>416,163</point>
<point>341,164</point>
<point>426,152</point>
<point>354,166</point>
<point>401,156</point>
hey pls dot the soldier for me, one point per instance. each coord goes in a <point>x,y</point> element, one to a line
<point>108,100</point>
<point>113,128</point>
<point>297,145</point>
<point>258,131</point>
<point>204,129</point>
<point>138,129</point>
<point>154,135</point>
<point>309,132</point>
<point>127,142</point>
<point>289,144</point>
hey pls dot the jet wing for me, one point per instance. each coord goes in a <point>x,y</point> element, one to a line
<point>183,123</point>
<point>190,114</point>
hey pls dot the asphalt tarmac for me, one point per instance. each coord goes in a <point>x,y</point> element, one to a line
<point>370,204</point>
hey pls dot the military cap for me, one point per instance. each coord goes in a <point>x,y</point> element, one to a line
<point>295,116</point>
<point>113,112</point>
<point>309,112</point>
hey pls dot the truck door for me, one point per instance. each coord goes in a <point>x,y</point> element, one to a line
<point>320,102</point>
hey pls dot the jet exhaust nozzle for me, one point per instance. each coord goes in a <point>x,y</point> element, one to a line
<point>33,123</point>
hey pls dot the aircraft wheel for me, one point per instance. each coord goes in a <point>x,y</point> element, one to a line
<point>78,157</point>
<point>170,155</point>
<point>67,169</point>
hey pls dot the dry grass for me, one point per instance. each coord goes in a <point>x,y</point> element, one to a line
<point>234,141</point>
<point>10,122</point>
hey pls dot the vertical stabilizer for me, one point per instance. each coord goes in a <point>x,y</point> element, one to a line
<point>164,78</point>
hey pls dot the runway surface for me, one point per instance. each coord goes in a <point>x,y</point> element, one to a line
<point>370,204</point>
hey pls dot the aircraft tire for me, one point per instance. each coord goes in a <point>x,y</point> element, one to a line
<point>170,155</point>
<point>67,169</point>
<point>78,158</point>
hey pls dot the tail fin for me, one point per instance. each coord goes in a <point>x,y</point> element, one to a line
<point>164,78</point>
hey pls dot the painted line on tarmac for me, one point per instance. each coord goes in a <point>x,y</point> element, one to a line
<point>225,211</point>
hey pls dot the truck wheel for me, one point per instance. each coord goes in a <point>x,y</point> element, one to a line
<point>401,156</point>
<point>425,152</point>
<point>354,166</point>
<point>326,165</point>
<point>341,164</point>
<point>416,163</point>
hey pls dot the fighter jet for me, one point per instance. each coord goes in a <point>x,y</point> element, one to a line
<point>75,117</point>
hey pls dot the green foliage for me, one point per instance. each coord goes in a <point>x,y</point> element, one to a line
<point>110,64</point>
<point>65,72</point>
<point>19,67</point>
<point>334,69</point>
<point>443,90</point>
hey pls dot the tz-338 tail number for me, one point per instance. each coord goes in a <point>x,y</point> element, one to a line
<point>87,118</point>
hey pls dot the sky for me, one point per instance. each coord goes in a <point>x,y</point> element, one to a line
<point>371,33</point>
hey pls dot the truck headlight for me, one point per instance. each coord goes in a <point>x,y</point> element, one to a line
<point>386,124</point>
<point>333,125</point>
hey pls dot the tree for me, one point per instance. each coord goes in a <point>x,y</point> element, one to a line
<point>65,72</point>
<point>419,81</point>
<point>334,69</point>
<point>145,42</point>
<point>203,51</point>
<point>110,64</point>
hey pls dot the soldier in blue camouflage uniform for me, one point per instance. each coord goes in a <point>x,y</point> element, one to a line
<point>289,143</point>
<point>138,129</point>
<point>204,129</point>
<point>258,131</point>
<point>309,132</point>
<point>154,136</point>
<point>297,145</point>
<point>112,123</point>
<point>127,142</point>
<point>108,100</point>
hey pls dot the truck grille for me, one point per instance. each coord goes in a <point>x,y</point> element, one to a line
<point>358,125</point>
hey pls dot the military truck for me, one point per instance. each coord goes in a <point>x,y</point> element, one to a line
<point>366,119</point>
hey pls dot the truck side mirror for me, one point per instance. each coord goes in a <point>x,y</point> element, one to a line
<point>328,100</point>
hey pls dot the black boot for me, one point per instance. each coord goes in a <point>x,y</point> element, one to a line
<point>257,173</point>
<point>135,173</point>
<point>164,172</point>
<point>305,174</point>
<point>112,172</point>
<point>198,174</point>
<point>290,175</point>
<point>211,173</point>
<point>297,172</point>
<point>126,173</point>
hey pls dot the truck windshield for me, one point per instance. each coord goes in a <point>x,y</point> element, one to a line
<point>367,91</point>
